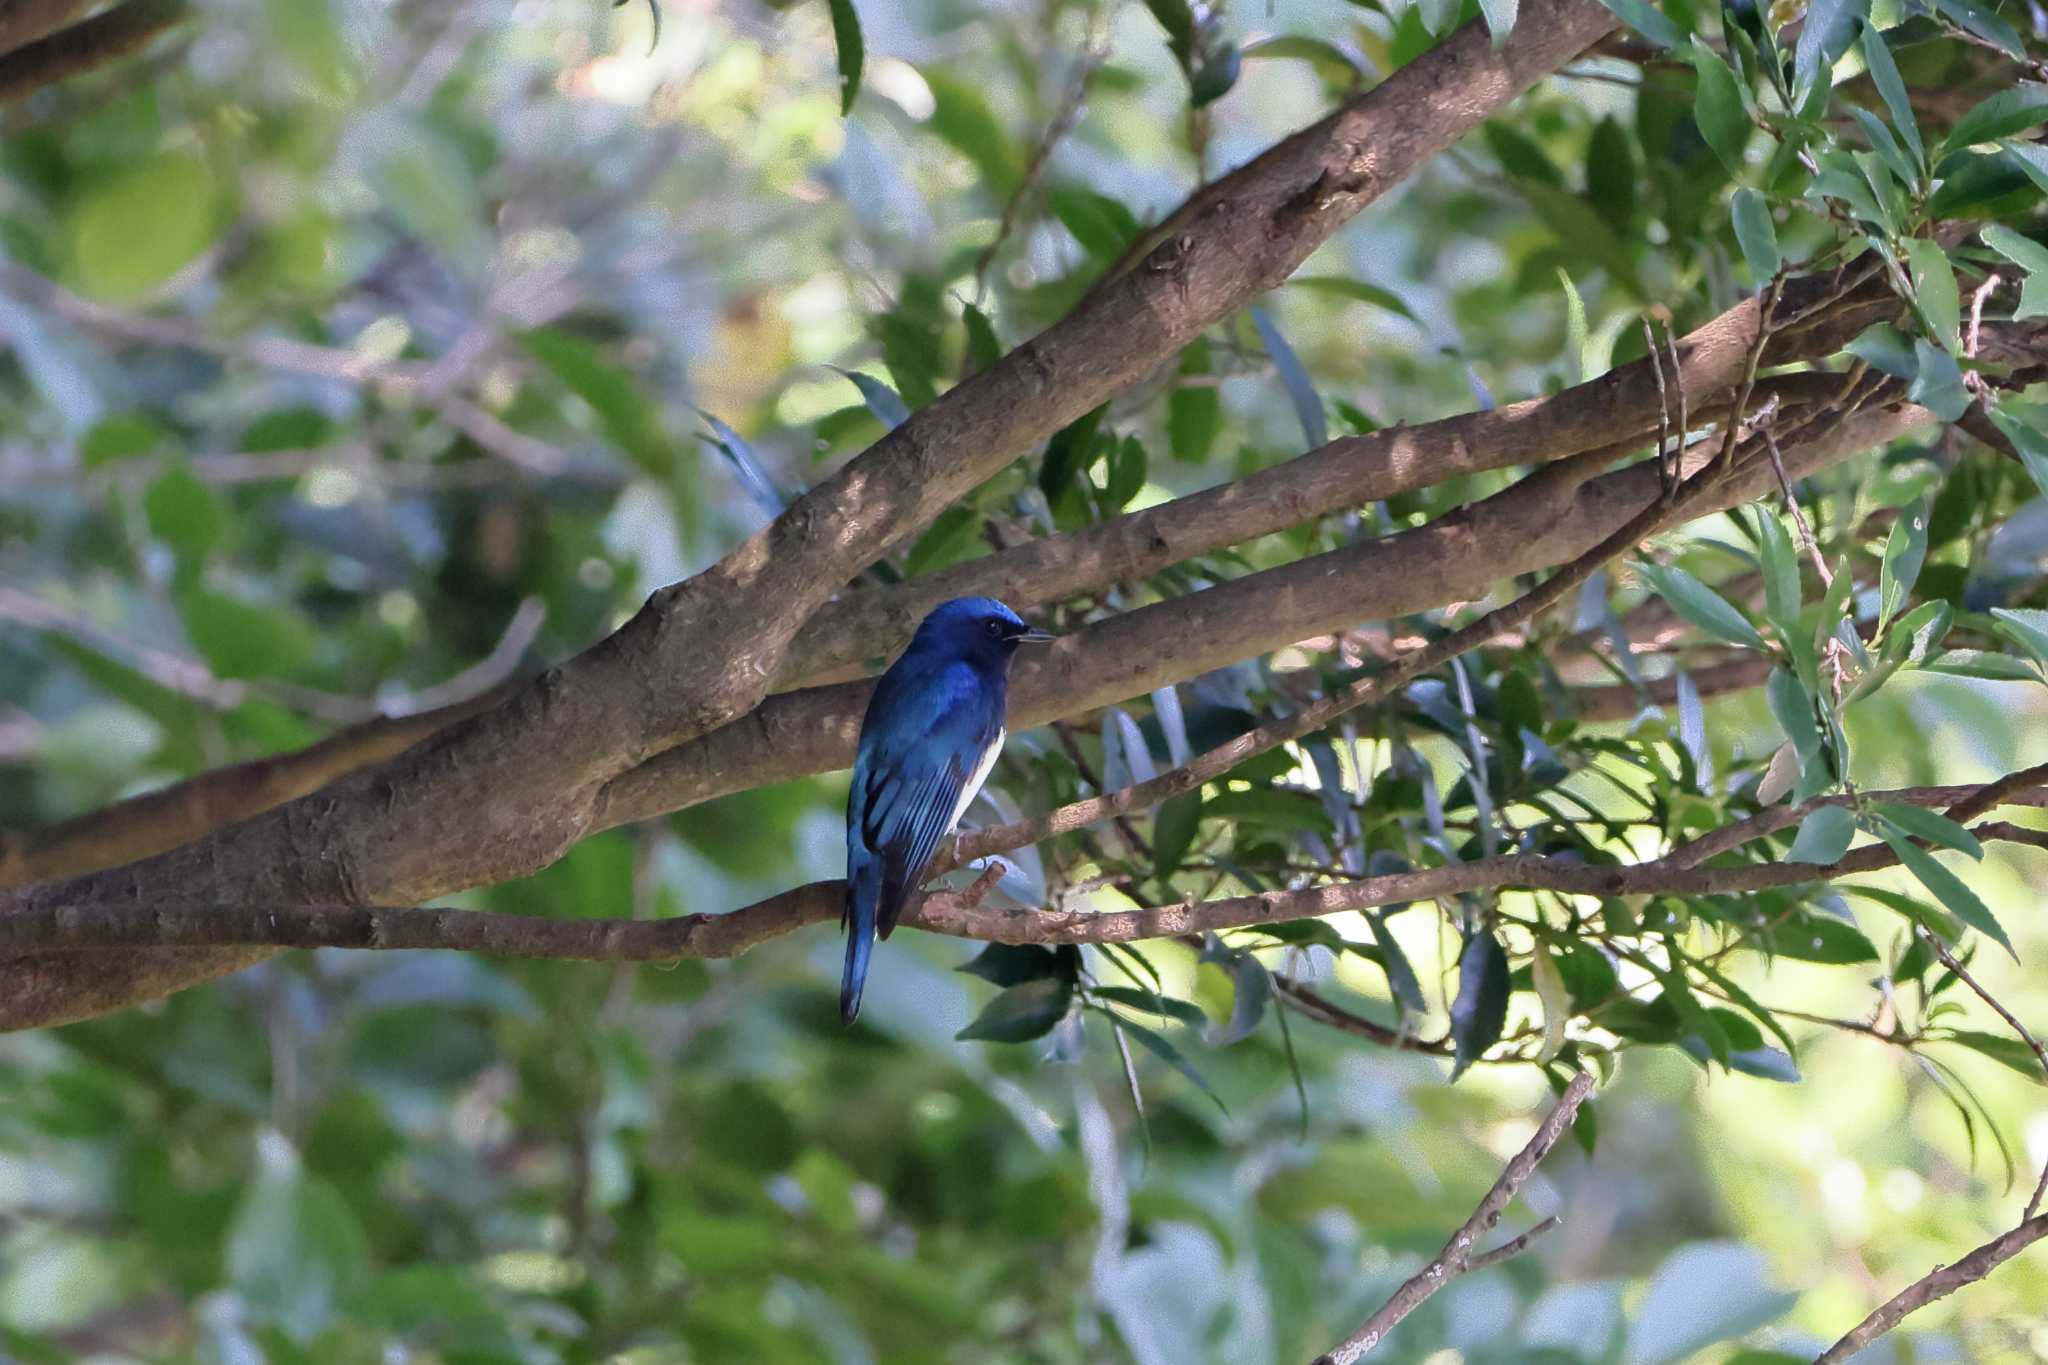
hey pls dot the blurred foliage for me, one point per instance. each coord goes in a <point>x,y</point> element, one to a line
<point>371,324</point>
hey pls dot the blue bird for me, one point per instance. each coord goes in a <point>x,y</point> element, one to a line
<point>931,733</point>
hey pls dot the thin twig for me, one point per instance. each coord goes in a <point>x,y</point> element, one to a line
<point>1950,961</point>
<point>1457,1257</point>
<point>1806,539</point>
<point>1937,1284</point>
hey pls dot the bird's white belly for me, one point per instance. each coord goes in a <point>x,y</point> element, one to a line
<point>972,787</point>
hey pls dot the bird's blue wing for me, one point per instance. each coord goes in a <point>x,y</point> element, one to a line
<point>922,746</point>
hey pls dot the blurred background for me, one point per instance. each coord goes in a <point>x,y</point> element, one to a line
<point>359,357</point>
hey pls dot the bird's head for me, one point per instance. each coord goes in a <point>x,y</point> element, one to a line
<point>976,628</point>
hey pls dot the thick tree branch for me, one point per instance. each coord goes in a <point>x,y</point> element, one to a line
<point>1553,516</point>
<point>1459,1254</point>
<point>1618,409</point>
<point>510,790</point>
<point>68,52</point>
<point>87,929</point>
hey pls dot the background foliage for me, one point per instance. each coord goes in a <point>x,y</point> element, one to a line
<point>361,356</point>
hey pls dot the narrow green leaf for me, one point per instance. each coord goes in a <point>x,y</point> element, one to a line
<point>1173,831</point>
<point>1792,707</point>
<point>884,402</point>
<point>2001,115</point>
<point>852,52</point>
<point>1999,1048</point>
<point>1700,604</point>
<point>1931,825</point>
<point>1934,289</point>
<point>962,118</point>
<point>1130,997</point>
<point>1884,74</point>
<point>983,349</point>
<point>2032,158</point>
<point>2031,257</point>
<point>1756,235</point>
<point>1979,663</point>
<point>2026,426</point>
<point>1171,1055</point>
<point>1887,148</point>
<point>1824,836</point>
<point>1646,20</point>
<point>1574,327</point>
<point>1021,1013</point>
<point>1718,107</point>
<point>1782,598</point>
<point>1949,889</point>
<point>1012,964</point>
<point>1904,552</point>
<point>2026,628</point>
<point>1975,18</point>
<point>1480,1010</point>
<point>1401,978</point>
<point>1301,390</point>
<point>1830,26</point>
<point>1345,287</point>
<point>1937,381</point>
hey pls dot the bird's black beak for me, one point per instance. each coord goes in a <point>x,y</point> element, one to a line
<point>1034,636</point>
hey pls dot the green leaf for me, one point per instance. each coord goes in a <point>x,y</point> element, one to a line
<point>1792,706</point>
<point>1718,107</point>
<point>1829,28</point>
<point>2001,115</point>
<point>1519,155</point>
<point>1127,467</point>
<point>1270,806</point>
<point>1582,232</point>
<point>1480,1010</point>
<point>2026,628</point>
<point>884,402</point>
<point>962,118</point>
<point>1103,226</point>
<point>1194,412</point>
<point>1301,390</point>
<point>1401,979</point>
<point>1574,327</point>
<point>1151,1002</point>
<point>1170,1054</point>
<point>1179,22</point>
<point>2032,159</point>
<point>1345,287</point>
<point>1252,989</point>
<point>1979,663</point>
<point>1822,938</point>
<point>1757,237</point>
<point>1500,18</point>
<point>1999,1048</point>
<point>1331,62</point>
<point>1700,604</point>
<point>1886,147</point>
<point>1949,889</point>
<point>1021,1013</point>
<point>133,232</point>
<point>2026,426</point>
<point>1646,20</point>
<point>1612,174</point>
<point>1934,289</point>
<point>1937,381</point>
<point>1973,17</point>
<point>983,349</point>
<point>1068,455</point>
<point>1013,964</point>
<point>1824,836</point>
<point>2031,257</point>
<point>1904,552</point>
<point>244,639</point>
<point>1933,826</point>
<point>1173,831</point>
<point>852,52</point>
<point>184,513</point>
<point>1782,597</point>
<point>295,1252</point>
<point>947,541</point>
<point>1215,77</point>
<point>629,419</point>
<point>1884,74</point>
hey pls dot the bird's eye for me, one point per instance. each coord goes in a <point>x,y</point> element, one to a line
<point>993,627</point>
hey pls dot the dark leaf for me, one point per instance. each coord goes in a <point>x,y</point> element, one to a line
<point>852,52</point>
<point>1021,1013</point>
<point>1480,1010</point>
<point>1013,964</point>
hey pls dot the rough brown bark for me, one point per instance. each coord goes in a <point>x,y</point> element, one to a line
<point>72,51</point>
<point>510,790</point>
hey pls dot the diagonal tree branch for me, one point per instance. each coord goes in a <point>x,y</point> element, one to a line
<point>509,790</point>
<point>1936,1284</point>
<point>67,52</point>
<point>1458,1255</point>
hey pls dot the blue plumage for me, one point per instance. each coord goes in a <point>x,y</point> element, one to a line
<point>931,733</point>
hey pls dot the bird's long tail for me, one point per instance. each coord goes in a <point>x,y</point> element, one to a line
<point>861,896</point>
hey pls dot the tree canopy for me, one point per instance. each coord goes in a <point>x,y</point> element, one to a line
<point>1545,503</point>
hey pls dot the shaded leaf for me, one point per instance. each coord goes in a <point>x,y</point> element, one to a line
<point>1949,889</point>
<point>1021,1013</point>
<point>1824,836</point>
<point>851,49</point>
<point>1480,1010</point>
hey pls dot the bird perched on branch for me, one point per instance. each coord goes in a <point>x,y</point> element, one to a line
<point>931,733</point>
